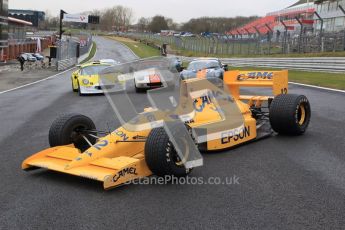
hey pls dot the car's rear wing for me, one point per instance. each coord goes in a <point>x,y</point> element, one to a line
<point>236,79</point>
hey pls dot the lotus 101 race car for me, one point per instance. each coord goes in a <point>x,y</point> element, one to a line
<point>85,80</point>
<point>214,119</point>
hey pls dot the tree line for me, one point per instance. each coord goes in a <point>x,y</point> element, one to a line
<point>117,18</point>
<point>120,18</point>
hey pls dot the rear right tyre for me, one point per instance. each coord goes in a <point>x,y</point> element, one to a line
<point>290,114</point>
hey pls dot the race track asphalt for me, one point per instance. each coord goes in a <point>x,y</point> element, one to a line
<point>284,182</point>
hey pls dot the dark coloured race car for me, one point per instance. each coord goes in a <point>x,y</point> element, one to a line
<point>204,68</point>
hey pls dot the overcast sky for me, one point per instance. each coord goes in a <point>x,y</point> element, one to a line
<point>179,10</point>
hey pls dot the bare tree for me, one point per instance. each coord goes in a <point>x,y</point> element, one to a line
<point>143,24</point>
<point>216,25</point>
<point>171,24</point>
<point>157,24</point>
<point>116,18</point>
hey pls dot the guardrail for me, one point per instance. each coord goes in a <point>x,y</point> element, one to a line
<point>317,64</point>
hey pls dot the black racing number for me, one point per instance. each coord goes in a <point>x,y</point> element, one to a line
<point>284,91</point>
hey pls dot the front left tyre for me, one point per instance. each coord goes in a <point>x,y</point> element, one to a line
<point>70,129</point>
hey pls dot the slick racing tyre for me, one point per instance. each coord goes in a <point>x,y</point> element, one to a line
<point>79,91</point>
<point>161,156</point>
<point>70,129</point>
<point>73,89</point>
<point>290,114</point>
<point>137,90</point>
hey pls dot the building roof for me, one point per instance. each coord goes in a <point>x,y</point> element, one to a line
<point>301,2</point>
<point>310,1</point>
<point>27,12</point>
<point>295,9</point>
<point>19,21</point>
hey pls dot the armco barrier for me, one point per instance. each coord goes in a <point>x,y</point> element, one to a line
<point>319,64</point>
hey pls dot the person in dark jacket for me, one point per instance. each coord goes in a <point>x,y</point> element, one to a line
<point>21,60</point>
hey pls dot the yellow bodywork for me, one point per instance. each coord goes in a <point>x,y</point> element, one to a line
<point>109,161</point>
<point>77,78</point>
<point>119,157</point>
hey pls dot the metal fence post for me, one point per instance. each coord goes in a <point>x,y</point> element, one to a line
<point>285,36</point>
<point>240,43</point>
<point>343,10</point>
<point>321,28</point>
<point>269,38</point>
<point>227,43</point>
<point>248,33</point>
<point>233,44</point>
<point>258,40</point>
<point>300,35</point>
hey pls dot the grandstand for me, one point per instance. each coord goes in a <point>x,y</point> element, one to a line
<point>272,22</point>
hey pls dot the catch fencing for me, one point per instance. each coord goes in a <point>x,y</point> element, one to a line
<point>70,48</point>
<point>282,43</point>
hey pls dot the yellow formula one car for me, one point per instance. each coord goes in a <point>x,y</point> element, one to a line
<point>122,156</point>
<point>85,80</point>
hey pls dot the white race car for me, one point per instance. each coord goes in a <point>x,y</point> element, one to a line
<point>148,79</point>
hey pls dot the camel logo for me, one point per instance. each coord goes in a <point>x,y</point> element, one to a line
<point>125,172</point>
<point>256,76</point>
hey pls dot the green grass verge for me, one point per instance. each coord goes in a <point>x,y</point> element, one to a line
<point>140,49</point>
<point>330,80</point>
<point>91,54</point>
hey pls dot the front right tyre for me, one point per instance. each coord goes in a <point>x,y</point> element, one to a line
<point>161,156</point>
<point>73,89</point>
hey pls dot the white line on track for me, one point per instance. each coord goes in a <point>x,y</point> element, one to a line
<point>35,82</point>
<point>318,87</point>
